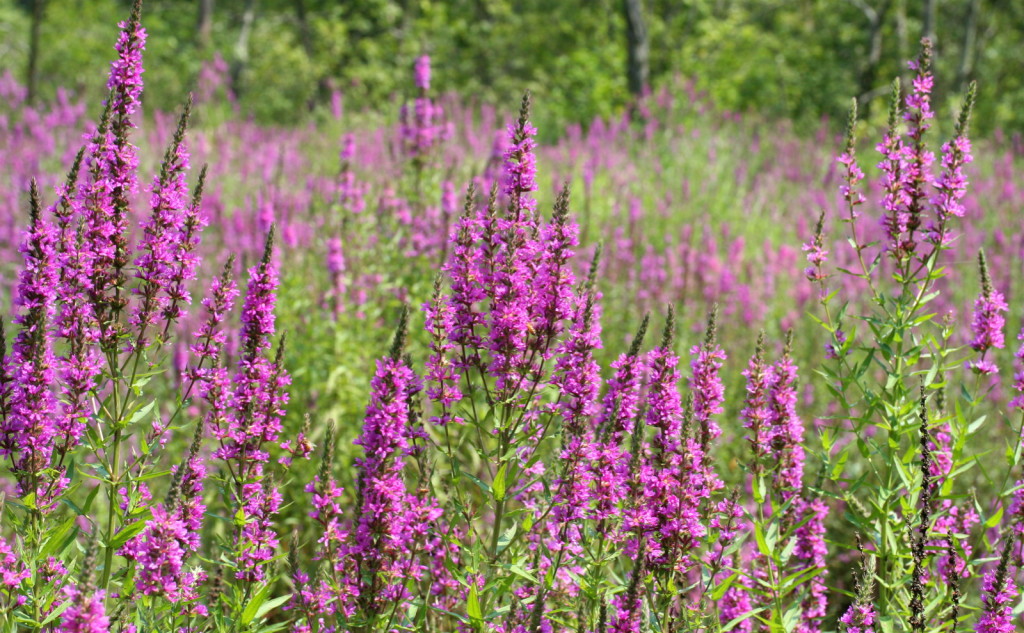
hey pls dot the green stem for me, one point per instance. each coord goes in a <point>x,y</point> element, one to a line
<point>108,555</point>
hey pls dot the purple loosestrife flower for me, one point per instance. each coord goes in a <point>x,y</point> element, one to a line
<point>422,72</point>
<point>257,396</point>
<point>787,430</point>
<point>157,262</point>
<point>706,383</point>
<point>953,521</point>
<point>442,372</point>
<point>75,321</point>
<point>628,604</point>
<point>31,428</point>
<point>895,177</point>
<point>515,248</point>
<point>918,160</point>
<point>466,276</point>
<point>421,127</point>
<point>756,413</point>
<point>736,603</point>
<point>333,543</point>
<point>1000,592</point>
<point>621,401</point>
<point>387,515</point>
<point>812,551</point>
<point>834,350</point>
<point>578,380</point>
<point>167,539</point>
<point>988,321</point>
<point>675,495</point>
<point>12,570</point>
<point>116,171</point>
<point>159,554</point>
<point>336,268</point>
<point>1018,377</point>
<point>1017,517</point>
<point>125,80</point>
<point>520,171</point>
<point>258,387</point>
<point>95,251</point>
<point>554,279</point>
<point>185,257</point>
<point>816,255</point>
<point>258,540</point>
<point>85,613</point>
<point>860,617</point>
<point>951,185</point>
<point>854,174</point>
<point>577,375</point>
<point>208,374</point>
<point>610,461</point>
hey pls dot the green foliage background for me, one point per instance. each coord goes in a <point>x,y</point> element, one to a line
<point>799,59</point>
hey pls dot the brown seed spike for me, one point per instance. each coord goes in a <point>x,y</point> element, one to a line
<point>668,336</point>
<point>638,339</point>
<point>401,333</point>
<point>712,330</point>
<point>35,205</point>
<point>268,247</point>
<point>561,213</point>
<point>895,106</point>
<point>963,121</point>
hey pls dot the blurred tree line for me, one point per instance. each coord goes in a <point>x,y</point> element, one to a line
<point>800,59</point>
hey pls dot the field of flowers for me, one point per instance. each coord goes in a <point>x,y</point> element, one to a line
<point>411,370</point>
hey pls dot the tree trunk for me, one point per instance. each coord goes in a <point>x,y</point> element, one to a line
<point>966,68</point>
<point>32,71</point>
<point>204,24</point>
<point>242,47</point>
<point>638,48</point>
<point>869,71</point>
<point>928,22</point>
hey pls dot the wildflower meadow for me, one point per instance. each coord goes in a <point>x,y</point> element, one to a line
<point>418,369</point>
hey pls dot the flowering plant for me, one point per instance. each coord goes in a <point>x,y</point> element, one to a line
<point>505,484</point>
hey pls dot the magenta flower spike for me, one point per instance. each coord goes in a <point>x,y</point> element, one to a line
<point>422,72</point>
<point>999,596</point>
<point>706,383</point>
<point>32,427</point>
<point>787,430</point>
<point>951,185</point>
<point>988,322</point>
<point>756,413</point>
<point>85,611</point>
<point>385,527</point>
<point>85,614</point>
<point>159,254</point>
<point>917,158</point>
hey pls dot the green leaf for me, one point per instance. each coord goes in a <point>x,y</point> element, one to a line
<point>498,487</point>
<point>272,604</point>
<point>481,484</point>
<point>249,614</point>
<point>722,587</point>
<point>142,412</point>
<point>762,544</point>
<point>59,538</point>
<point>473,606</point>
<point>522,573</point>
<point>506,537</point>
<point>126,534</point>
